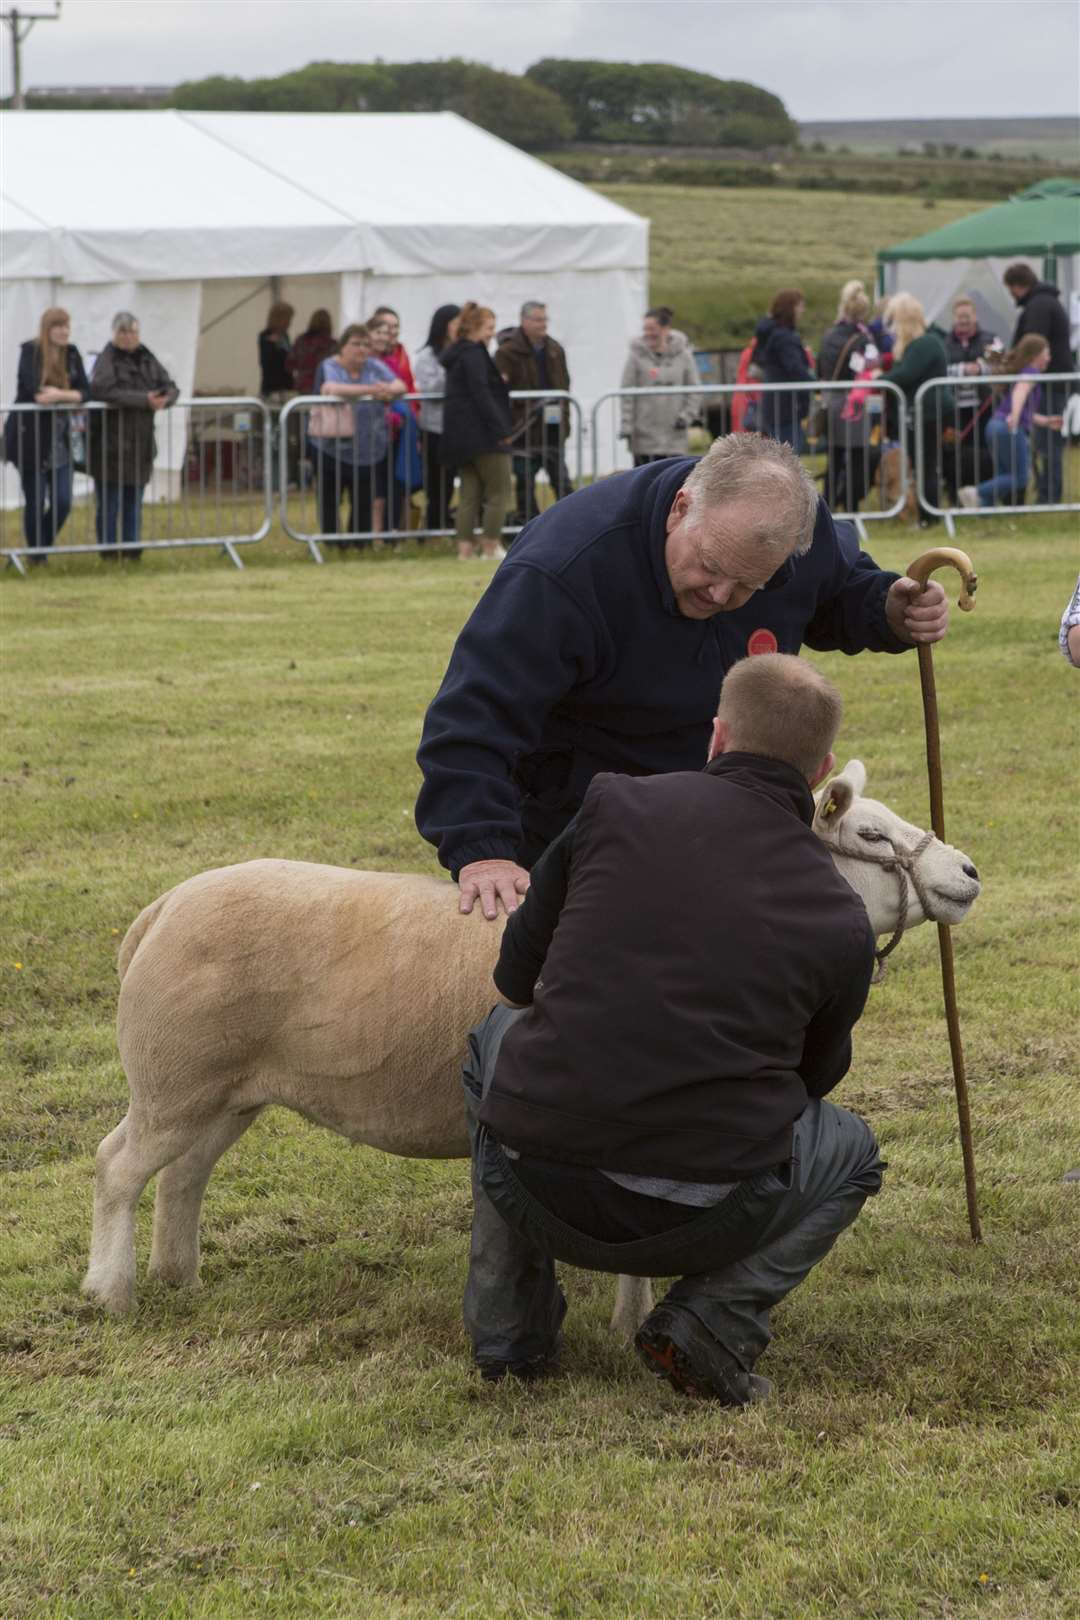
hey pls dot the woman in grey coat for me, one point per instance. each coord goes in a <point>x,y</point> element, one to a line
<point>122,444</point>
<point>656,425</point>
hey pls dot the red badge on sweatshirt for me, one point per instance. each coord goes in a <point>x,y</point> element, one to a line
<point>762,641</point>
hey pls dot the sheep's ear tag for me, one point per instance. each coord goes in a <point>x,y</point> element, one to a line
<point>830,808</point>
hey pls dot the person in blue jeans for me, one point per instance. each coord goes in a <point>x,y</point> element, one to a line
<point>39,443</point>
<point>133,382</point>
<point>1007,432</point>
<point>681,982</point>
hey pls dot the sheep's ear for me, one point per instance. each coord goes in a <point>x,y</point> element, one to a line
<point>836,797</point>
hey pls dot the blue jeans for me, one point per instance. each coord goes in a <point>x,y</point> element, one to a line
<point>118,504</point>
<point>46,502</point>
<point>1011,462</point>
<point>735,1261</point>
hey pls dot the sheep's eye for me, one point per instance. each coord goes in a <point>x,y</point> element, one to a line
<point>872,836</point>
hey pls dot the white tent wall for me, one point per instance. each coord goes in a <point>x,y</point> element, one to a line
<point>592,313</point>
<point>234,313</point>
<point>936,282</point>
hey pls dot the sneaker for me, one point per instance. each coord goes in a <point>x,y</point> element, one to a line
<point>674,1345</point>
<point>969,495</point>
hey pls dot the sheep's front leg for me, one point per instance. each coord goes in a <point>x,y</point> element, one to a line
<point>633,1302</point>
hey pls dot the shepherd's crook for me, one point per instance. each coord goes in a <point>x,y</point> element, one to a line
<point>921,570</point>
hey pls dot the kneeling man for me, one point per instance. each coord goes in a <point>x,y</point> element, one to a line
<point>685,970</point>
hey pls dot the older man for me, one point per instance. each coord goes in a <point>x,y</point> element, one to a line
<point>1041,311</point>
<point>603,639</point>
<point>529,358</point>
<point>690,965</point>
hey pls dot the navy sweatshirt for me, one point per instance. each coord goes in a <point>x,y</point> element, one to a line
<point>577,660</point>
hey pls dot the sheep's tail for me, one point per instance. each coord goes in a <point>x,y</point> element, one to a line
<point>134,936</point>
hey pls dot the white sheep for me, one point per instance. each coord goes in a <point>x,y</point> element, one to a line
<point>347,996</point>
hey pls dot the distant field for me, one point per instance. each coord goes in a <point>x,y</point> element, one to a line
<point>717,256</point>
<point>1055,138</point>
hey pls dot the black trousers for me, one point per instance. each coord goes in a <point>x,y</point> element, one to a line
<point>543,455</point>
<point>335,477</point>
<point>438,483</point>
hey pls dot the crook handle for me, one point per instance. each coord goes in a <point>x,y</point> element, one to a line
<point>944,557</point>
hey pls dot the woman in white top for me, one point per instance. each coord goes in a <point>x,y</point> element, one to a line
<point>431,379</point>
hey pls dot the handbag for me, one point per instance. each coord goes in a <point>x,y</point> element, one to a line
<point>331,421</point>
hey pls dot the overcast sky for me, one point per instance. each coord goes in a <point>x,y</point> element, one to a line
<point>827,59</point>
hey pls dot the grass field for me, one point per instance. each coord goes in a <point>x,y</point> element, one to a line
<point>304,1436</point>
<point>717,256</point>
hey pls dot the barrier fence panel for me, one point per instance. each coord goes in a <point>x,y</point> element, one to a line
<point>996,444</point>
<point>856,432</point>
<point>115,481</point>
<point>360,473</point>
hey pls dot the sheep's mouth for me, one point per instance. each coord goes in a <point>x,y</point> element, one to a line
<point>965,898</point>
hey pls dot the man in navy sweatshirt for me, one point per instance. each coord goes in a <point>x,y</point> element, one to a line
<point>603,639</point>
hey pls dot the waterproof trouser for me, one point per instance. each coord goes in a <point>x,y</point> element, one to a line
<point>734,1261</point>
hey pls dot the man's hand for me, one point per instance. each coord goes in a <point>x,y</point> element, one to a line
<point>917,613</point>
<point>158,400</point>
<point>492,881</point>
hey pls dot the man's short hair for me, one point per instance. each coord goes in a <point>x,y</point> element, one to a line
<point>750,467</point>
<point>1019,275</point>
<point>530,306</point>
<point>779,705</point>
<point>963,302</point>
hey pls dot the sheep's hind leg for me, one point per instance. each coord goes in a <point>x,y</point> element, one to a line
<point>174,1254</point>
<point>126,1160</point>
<point>633,1302</point>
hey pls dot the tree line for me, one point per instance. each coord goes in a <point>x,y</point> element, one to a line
<point>553,103</point>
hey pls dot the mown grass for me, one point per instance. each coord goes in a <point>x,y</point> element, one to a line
<point>717,256</point>
<point>304,1436</point>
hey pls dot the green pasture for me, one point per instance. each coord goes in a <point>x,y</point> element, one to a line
<point>305,1436</point>
<point>718,255</point>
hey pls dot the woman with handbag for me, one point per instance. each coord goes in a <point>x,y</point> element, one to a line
<point>476,433</point>
<point>39,443</point>
<point>122,443</point>
<point>350,436</point>
<point>847,421</point>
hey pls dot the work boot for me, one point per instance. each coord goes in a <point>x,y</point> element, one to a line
<point>674,1345</point>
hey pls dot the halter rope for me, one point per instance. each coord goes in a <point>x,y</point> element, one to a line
<point>899,861</point>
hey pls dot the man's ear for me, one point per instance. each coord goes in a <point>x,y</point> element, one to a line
<point>679,508</point>
<point>823,770</point>
<point>720,741</point>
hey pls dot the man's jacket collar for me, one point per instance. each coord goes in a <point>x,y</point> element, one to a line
<point>771,778</point>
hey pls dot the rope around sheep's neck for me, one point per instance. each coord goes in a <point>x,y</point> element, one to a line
<point>899,861</point>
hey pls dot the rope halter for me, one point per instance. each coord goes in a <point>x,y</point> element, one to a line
<point>900,861</point>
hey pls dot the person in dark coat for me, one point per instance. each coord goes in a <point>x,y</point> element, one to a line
<point>847,350</point>
<point>530,359</point>
<point>780,355</point>
<point>687,968</point>
<point>1043,313</point>
<point>603,639</point>
<point>431,379</point>
<point>122,442</point>
<point>477,429</point>
<point>310,349</point>
<point>39,443</point>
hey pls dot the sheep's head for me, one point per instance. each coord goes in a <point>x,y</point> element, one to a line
<point>861,834</point>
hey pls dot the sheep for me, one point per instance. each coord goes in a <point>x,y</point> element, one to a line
<point>346,996</point>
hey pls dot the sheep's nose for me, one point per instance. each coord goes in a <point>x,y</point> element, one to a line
<point>970,871</point>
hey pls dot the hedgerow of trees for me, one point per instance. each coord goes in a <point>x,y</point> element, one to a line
<point>555,102</point>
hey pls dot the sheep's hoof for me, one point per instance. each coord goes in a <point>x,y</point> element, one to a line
<point>115,1298</point>
<point>175,1275</point>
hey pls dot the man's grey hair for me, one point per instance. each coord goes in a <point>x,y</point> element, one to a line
<point>124,321</point>
<point>749,467</point>
<point>530,306</point>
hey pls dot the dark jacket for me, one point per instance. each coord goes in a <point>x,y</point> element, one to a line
<point>707,969</point>
<point>923,358</point>
<point>476,407</point>
<point>961,352</point>
<point>304,359</point>
<point>781,357</point>
<point>1042,311</point>
<point>843,339</point>
<point>274,375</point>
<point>519,364</point>
<point>34,439</point>
<point>577,660</point>
<point>121,441</point>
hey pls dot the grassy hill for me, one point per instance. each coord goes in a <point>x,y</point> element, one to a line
<point>1055,139</point>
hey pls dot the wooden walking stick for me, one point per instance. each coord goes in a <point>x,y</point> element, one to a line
<point>920,570</point>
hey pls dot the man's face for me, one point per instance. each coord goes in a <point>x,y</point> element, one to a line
<point>714,564</point>
<point>1015,293</point>
<point>965,320</point>
<point>535,325</point>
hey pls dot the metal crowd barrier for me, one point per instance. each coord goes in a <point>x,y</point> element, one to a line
<point>378,467</point>
<point>864,443</point>
<point>75,481</point>
<point>982,469</point>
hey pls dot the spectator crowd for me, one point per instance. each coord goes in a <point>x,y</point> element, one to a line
<point>469,435</point>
